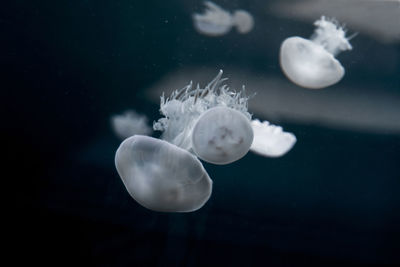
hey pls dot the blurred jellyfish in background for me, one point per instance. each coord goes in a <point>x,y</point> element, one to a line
<point>130,123</point>
<point>161,176</point>
<point>243,21</point>
<point>312,63</point>
<point>270,140</point>
<point>212,122</point>
<point>216,21</point>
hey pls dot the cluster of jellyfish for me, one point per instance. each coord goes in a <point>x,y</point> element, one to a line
<point>213,123</point>
<point>210,124</point>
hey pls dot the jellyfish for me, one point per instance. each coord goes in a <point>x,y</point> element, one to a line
<point>216,21</point>
<point>312,63</point>
<point>270,140</point>
<point>130,123</point>
<point>213,122</point>
<point>161,176</point>
<point>221,135</point>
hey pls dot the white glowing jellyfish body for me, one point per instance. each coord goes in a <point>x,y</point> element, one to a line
<point>216,21</point>
<point>130,123</point>
<point>270,140</point>
<point>161,176</point>
<point>312,63</point>
<point>222,135</point>
<point>213,122</point>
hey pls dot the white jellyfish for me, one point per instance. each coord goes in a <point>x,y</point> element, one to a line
<point>161,176</point>
<point>270,140</point>
<point>312,63</point>
<point>222,135</point>
<point>216,21</point>
<point>212,122</point>
<point>130,123</point>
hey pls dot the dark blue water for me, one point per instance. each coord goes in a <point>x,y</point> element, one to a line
<point>69,65</point>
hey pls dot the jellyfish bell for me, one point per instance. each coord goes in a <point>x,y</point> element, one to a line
<point>309,65</point>
<point>222,135</point>
<point>243,21</point>
<point>270,140</point>
<point>215,21</point>
<point>312,63</point>
<point>161,176</point>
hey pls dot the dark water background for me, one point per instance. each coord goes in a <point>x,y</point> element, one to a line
<point>69,65</point>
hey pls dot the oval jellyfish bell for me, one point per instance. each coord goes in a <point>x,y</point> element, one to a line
<point>222,135</point>
<point>312,63</point>
<point>161,176</point>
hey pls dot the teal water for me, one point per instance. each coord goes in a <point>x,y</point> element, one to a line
<point>70,65</point>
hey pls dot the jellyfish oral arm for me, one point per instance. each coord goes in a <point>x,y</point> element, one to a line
<point>331,36</point>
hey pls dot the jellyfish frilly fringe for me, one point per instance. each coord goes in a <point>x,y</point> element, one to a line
<point>331,35</point>
<point>183,107</point>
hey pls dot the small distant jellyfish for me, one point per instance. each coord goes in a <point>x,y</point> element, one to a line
<point>212,122</point>
<point>161,176</point>
<point>270,140</point>
<point>130,123</point>
<point>312,63</point>
<point>216,21</point>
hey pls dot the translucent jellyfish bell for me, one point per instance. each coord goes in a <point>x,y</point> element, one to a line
<point>130,123</point>
<point>216,21</point>
<point>161,176</point>
<point>312,63</point>
<point>222,135</point>
<point>211,122</point>
<point>270,140</point>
